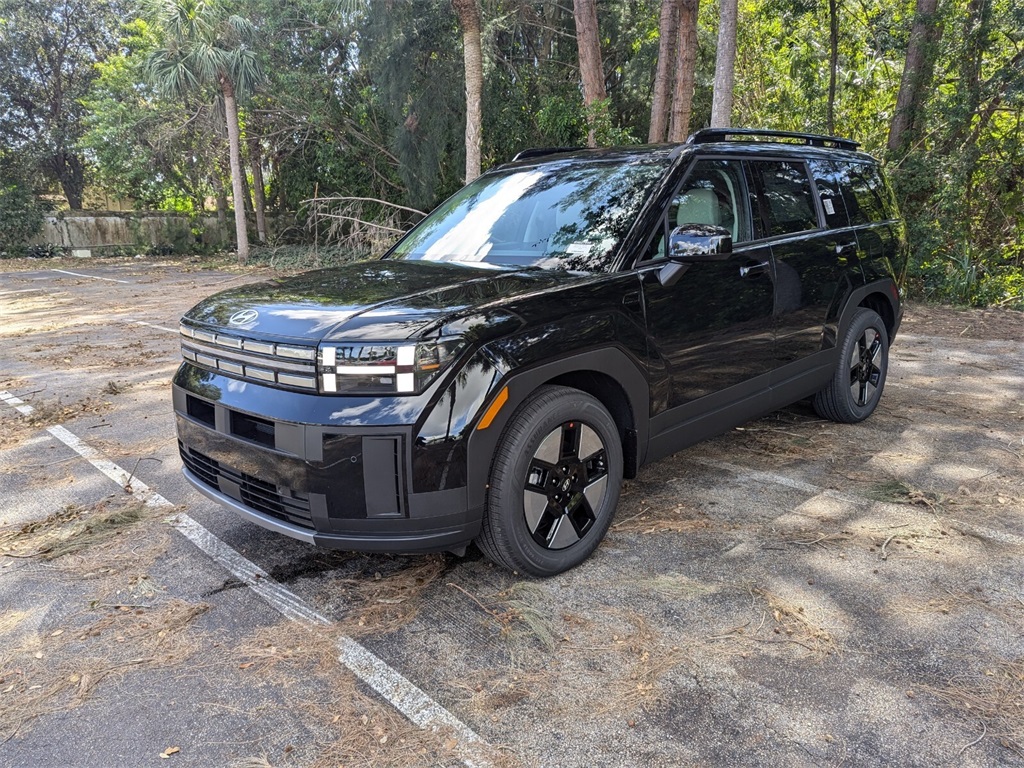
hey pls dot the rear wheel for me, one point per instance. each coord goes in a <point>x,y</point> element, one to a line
<point>555,482</point>
<point>857,383</point>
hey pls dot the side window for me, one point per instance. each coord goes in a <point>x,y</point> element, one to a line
<point>782,197</point>
<point>826,179</point>
<point>711,194</point>
<point>863,192</point>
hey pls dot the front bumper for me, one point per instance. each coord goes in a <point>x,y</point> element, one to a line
<point>344,486</point>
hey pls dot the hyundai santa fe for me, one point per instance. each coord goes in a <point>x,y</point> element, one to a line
<point>558,323</point>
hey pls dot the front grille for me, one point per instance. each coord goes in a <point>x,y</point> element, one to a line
<point>282,365</point>
<point>259,495</point>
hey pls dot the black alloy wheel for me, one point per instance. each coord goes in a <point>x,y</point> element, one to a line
<point>856,386</point>
<point>555,482</point>
<point>565,482</point>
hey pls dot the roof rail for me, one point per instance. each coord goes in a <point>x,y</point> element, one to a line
<point>811,139</point>
<point>541,151</point>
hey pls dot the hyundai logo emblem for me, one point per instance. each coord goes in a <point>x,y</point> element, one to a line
<point>244,317</point>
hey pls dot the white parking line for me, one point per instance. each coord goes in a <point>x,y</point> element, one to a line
<point>93,277</point>
<point>390,684</point>
<point>153,325</point>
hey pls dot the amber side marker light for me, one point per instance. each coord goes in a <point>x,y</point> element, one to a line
<point>493,409</point>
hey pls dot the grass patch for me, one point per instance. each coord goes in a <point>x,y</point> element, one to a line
<point>648,660</point>
<point>898,492</point>
<point>995,698</point>
<point>669,517</point>
<point>678,587</point>
<point>73,529</point>
<point>522,614</point>
<point>386,602</point>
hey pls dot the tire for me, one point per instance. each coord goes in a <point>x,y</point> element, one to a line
<point>857,383</point>
<point>563,441</point>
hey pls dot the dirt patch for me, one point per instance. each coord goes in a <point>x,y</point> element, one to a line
<point>984,324</point>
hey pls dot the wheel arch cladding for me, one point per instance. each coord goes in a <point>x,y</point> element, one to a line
<point>609,375</point>
<point>882,305</point>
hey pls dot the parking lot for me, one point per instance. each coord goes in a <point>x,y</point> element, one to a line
<point>795,592</point>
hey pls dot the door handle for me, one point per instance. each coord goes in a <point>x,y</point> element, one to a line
<point>632,300</point>
<point>760,267</point>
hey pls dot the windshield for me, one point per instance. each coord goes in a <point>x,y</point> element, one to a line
<point>568,215</point>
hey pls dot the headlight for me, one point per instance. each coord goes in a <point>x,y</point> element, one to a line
<point>383,368</point>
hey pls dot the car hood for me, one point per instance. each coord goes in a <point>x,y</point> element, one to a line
<point>374,300</point>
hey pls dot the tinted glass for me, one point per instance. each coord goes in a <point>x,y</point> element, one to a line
<point>567,215</point>
<point>783,202</point>
<point>712,194</point>
<point>826,179</point>
<point>863,192</point>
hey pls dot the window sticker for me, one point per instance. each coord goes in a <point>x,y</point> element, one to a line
<point>579,248</point>
<point>829,208</point>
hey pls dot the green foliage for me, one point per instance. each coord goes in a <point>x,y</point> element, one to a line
<point>47,55</point>
<point>21,215</point>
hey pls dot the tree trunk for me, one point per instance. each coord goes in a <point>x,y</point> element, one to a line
<point>235,157</point>
<point>221,197</point>
<point>591,70</point>
<point>917,74</point>
<point>833,66</point>
<point>686,71</point>
<point>69,170</point>
<point>663,72</point>
<point>725,66</point>
<point>468,12</point>
<point>259,198</point>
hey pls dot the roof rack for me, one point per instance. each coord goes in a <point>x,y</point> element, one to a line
<point>811,139</point>
<point>541,151</point>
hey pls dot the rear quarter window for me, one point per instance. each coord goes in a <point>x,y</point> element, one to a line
<point>864,192</point>
<point>829,185</point>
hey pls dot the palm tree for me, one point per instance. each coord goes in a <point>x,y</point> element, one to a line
<point>204,45</point>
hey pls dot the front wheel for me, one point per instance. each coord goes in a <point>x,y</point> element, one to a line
<point>856,385</point>
<point>555,482</point>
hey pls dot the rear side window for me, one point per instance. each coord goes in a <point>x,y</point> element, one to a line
<point>863,192</point>
<point>781,198</point>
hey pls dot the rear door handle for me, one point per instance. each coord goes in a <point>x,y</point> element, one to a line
<point>760,267</point>
<point>632,300</point>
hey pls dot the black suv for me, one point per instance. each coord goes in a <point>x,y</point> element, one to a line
<point>556,324</point>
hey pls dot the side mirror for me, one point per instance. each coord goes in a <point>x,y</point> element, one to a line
<point>699,242</point>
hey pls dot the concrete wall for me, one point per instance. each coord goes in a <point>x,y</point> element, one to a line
<point>142,231</point>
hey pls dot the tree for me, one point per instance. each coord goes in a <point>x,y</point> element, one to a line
<point>725,66</point>
<point>591,69</point>
<point>468,12</point>
<point>157,152</point>
<point>917,74</point>
<point>48,53</point>
<point>686,71</point>
<point>204,46</point>
<point>663,75</point>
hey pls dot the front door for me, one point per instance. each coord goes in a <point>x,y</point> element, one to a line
<point>709,333</point>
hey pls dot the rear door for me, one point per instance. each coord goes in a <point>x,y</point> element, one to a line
<point>810,259</point>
